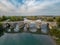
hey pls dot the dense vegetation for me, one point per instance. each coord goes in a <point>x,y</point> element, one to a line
<point>58,21</point>
<point>56,31</point>
<point>19,18</point>
<point>11,18</point>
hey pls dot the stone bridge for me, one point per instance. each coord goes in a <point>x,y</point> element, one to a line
<point>28,24</point>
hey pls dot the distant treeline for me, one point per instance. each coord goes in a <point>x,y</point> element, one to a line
<point>21,18</point>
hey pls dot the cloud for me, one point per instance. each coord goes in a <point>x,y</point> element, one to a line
<point>29,7</point>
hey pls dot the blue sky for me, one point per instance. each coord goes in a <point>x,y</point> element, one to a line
<point>29,7</point>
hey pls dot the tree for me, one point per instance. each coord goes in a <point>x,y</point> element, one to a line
<point>50,19</point>
<point>1,29</point>
<point>58,21</point>
<point>4,18</point>
<point>13,18</point>
<point>55,32</point>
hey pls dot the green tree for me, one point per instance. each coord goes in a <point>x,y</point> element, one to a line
<point>58,21</point>
<point>50,19</point>
<point>13,18</point>
<point>55,32</point>
<point>4,18</point>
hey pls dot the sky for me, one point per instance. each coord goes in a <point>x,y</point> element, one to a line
<point>29,7</point>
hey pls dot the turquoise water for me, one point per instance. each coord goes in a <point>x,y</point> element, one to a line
<point>25,39</point>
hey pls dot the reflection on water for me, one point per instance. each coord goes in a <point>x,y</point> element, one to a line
<point>44,28</point>
<point>16,29</point>
<point>25,39</point>
<point>25,29</point>
<point>33,27</point>
<point>9,30</point>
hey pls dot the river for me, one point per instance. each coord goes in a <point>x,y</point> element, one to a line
<point>25,39</point>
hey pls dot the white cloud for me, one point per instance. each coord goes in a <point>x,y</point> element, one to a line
<point>29,6</point>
